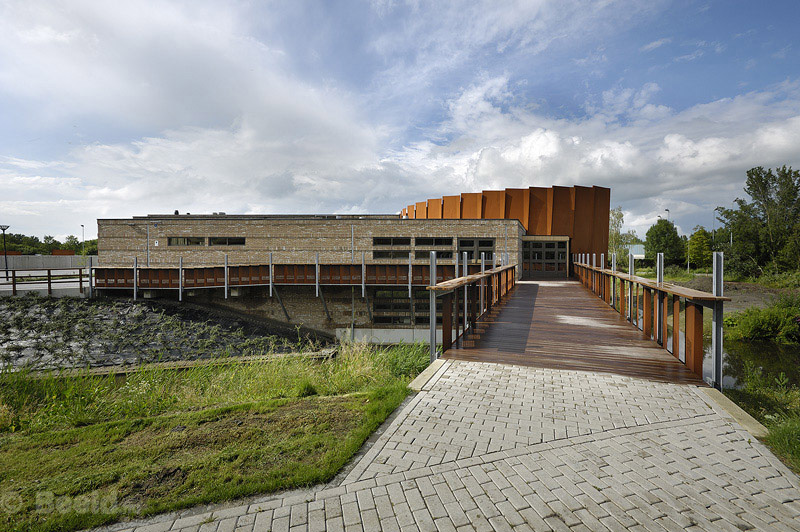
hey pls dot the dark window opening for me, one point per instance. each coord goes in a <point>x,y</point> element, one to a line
<point>226,241</point>
<point>390,255</point>
<point>391,241</point>
<point>426,255</point>
<point>186,241</point>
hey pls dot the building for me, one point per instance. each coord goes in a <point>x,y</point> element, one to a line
<point>315,262</point>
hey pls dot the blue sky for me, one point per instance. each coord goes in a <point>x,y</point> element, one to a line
<point>113,110</point>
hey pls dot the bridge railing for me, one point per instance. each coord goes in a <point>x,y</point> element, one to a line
<point>656,307</point>
<point>465,301</point>
<point>37,278</point>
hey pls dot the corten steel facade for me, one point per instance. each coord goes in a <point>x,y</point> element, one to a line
<point>577,213</point>
<point>318,259</point>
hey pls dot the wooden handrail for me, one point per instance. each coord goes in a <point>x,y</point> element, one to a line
<point>480,293</point>
<point>670,288</point>
<point>656,299</point>
<point>458,282</point>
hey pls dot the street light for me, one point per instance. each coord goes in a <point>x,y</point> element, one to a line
<point>83,234</point>
<point>667,210</point>
<point>5,253</point>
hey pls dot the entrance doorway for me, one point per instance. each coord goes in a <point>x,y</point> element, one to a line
<point>545,259</point>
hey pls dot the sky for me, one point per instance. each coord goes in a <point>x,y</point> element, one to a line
<point>116,109</point>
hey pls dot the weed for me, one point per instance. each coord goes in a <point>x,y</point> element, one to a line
<point>245,428</point>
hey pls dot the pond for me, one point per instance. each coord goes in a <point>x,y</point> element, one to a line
<point>773,358</point>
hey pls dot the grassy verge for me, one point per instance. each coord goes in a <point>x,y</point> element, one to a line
<point>81,451</point>
<point>779,321</point>
<point>776,404</point>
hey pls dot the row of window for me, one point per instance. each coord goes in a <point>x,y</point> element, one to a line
<point>419,255</point>
<point>406,241</point>
<point>432,242</point>
<point>201,241</point>
<point>562,244</point>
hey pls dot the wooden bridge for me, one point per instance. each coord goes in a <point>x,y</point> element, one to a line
<point>601,320</point>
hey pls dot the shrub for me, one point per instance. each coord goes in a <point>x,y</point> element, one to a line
<point>778,322</point>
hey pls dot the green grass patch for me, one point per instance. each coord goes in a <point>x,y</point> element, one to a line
<point>783,280</point>
<point>779,322</point>
<point>81,451</point>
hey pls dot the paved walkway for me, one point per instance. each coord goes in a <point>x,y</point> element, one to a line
<point>500,447</point>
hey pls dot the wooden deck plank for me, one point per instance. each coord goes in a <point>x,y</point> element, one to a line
<point>562,325</point>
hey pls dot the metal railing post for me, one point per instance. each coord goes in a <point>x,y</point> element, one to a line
<point>180,278</point>
<point>631,270</point>
<point>410,257</point>
<point>603,284</point>
<point>316,274</point>
<point>270,274</point>
<point>432,309</point>
<point>135,277</point>
<point>613,280</point>
<point>483,281</point>
<point>466,293</point>
<point>594,273</point>
<point>91,286</point>
<point>716,321</point>
<point>660,299</point>
<point>226,276</point>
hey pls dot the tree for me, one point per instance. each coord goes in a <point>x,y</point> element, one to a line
<point>663,238</point>
<point>619,242</point>
<point>699,247</point>
<point>766,230</point>
<point>72,243</point>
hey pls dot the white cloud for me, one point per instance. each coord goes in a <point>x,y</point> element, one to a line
<point>206,115</point>
<point>649,47</point>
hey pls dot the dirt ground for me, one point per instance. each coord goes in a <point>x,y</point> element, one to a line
<point>743,295</point>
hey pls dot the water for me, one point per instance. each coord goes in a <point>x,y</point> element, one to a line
<point>771,357</point>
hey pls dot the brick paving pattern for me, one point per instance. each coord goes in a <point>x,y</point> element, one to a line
<point>497,447</point>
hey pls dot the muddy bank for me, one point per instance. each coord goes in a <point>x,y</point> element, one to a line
<point>743,295</point>
<point>69,332</point>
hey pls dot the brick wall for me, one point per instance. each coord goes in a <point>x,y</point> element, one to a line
<point>291,240</point>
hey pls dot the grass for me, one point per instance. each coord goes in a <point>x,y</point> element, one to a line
<point>81,451</point>
<point>783,280</point>
<point>774,402</point>
<point>779,321</point>
<point>672,273</point>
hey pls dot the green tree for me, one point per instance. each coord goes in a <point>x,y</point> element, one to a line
<point>699,247</point>
<point>663,238</point>
<point>766,230</point>
<point>72,242</point>
<point>619,242</point>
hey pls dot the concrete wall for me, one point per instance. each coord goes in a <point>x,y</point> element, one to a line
<point>34,262</point>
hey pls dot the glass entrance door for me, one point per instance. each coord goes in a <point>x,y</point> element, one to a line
<point>543,259</point>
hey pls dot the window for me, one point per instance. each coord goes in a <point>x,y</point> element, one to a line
<point>426,255</point>
<point>390,255</point>
<point>428,241</point>
<point>474,248</point>
<point>186,241</point>
<point>226,241</point>
<point>391,241</point>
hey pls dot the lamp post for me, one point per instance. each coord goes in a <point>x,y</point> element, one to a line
<point>5,252</point>
<point>83,235</point>
<point>667,211</point>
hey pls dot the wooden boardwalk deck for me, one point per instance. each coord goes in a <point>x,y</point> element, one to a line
<point>561,325</point>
